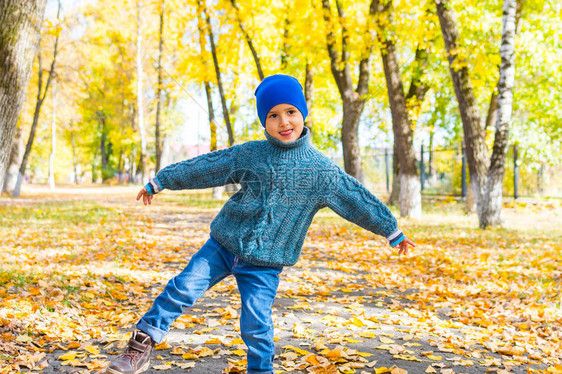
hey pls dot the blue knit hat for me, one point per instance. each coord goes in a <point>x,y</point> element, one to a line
<point>279,89</point>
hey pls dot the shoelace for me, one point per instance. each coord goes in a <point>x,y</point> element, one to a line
<point>131,353</point>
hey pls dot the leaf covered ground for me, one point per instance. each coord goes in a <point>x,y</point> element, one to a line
<point>79,267</point>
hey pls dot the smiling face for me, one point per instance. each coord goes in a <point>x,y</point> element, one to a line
<point>284,122</point>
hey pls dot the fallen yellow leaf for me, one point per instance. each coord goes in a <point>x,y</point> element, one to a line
<point>68,356</point>
<point>93,350</point>
<point>239,352</point>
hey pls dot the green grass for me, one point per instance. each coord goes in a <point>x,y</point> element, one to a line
<point>67,212</point>
<point>15,278</point>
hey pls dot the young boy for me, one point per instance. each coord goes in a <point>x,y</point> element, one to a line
<point>261,228</point>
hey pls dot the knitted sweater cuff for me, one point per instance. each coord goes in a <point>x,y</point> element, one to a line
<point>396,237</point>
<point>153,186</point>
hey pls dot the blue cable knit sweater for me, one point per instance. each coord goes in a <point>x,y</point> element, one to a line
<point>283,185</point>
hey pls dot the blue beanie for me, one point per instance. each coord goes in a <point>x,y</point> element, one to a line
<point>279,89</point>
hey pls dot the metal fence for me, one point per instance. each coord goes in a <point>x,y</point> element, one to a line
<point>444,171</point>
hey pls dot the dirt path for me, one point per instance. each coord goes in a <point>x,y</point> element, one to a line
<point>321,309</point>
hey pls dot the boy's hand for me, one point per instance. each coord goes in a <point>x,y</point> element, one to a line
<point>404,244</point>
<point>146,198</point>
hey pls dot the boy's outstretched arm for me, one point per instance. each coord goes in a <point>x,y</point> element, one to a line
<point>211,169</point>
<point>353,202</point>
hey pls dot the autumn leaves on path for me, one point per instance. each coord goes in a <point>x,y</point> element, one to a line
<point>75,276</point>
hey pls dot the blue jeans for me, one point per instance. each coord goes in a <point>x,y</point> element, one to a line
<point>211,264</point>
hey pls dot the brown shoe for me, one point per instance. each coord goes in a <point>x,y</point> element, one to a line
<point>136,357</point>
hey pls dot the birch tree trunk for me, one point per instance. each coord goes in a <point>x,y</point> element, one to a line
<point>53,139</point>
<point>490,214</point>
<point>74,158</point>
<point>40,98</point>
<point>157,141</point>
<point>20,25</point>
<point>493,106</point>
<point>476,152</point>
<point>140,101</point>
<point>14,162</point>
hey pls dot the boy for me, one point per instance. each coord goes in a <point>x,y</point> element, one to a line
<point>261,228</point>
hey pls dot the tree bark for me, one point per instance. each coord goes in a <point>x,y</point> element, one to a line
<point>14,162</point>
<point>353,99</point>
<point>225,113</point>
<point>418,87</point>
<point>74,158</point>
<point>410,189</point>
<point>216,191</point>
<point>41,95</point>
<point>286,45</point>
<point>248,40</point>
<point>490,214</point>
<point>474,136</point>
<point>394,198</point>
<point>308,91</point>
<point>493,106</point>
<point>140,101</point>
<point>159,88</point>
<point>416,93</point>
<point>53,139</point>
<point>492,110</point>
<point>20,26</point>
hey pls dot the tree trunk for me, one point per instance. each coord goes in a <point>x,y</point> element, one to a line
<point>493,106</point>
<point>103,155</point>
<point>217,191</point>
<point>492,111</point>
<point>212,123</point>
<point>353,100</point>
<point>140,102</point>
<point>14,162</point>
<point>248,40</point>
<point>352,110</point>
<point>74,158</point>
<point>165,156</point>
<point>286,46</point>
<point>218,75</point>
<point>308,91</point>
<point>410,189</point>
<point>490,214</point>
<point>53,139</point>
<point>430,161</point>
<point>29,144</point>
<point>120,167</point>
<point>20,25</point>
<point>40,98</point>
<point>394,198</point>
<point>474,136</point>
<point>159,87</point>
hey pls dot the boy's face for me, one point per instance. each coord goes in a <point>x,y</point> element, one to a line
<point>284,122</point>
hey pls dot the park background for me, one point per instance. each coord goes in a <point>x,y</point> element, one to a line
<point>119,90</point>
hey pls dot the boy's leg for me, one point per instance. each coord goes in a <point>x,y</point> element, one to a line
<point>208,266</point>
<point>258,287</point>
